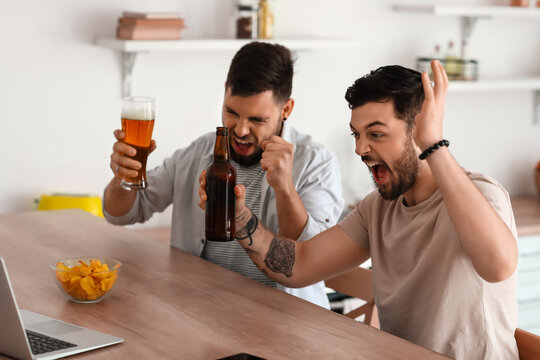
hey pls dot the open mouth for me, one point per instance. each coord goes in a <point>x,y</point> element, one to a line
<point>379,171</point>
<point>241,147</point>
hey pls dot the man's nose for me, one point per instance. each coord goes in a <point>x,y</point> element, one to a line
<point>362,147</point>
<point>242,128</point>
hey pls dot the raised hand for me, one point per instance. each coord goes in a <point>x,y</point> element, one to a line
<point>428,128</point>
<point>277,161</point>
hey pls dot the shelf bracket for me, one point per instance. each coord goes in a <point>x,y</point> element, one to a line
<point>536,107</point>
<point>467,26</point>
<point>128,61</point>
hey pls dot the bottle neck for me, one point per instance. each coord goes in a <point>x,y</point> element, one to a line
<point>221,148</point>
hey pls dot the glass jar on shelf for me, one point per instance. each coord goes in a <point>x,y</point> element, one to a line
<point>457,68</point>
<point>266,19</point>
<point>247,19</point>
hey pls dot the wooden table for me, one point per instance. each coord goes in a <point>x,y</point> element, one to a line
<point>168,304</point>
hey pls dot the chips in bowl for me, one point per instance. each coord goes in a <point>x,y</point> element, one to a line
<point>86,280</point>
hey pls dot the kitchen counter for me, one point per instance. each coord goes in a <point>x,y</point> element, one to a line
<point>526,210</point>
<point>527,214</point>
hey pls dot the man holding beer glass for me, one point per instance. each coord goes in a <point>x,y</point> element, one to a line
<point>292,183</point>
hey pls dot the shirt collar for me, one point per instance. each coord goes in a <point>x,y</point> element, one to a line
<point>287,133</point>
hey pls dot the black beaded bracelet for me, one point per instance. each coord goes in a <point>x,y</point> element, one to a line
<point>251,227</point>
<point>431,149</point>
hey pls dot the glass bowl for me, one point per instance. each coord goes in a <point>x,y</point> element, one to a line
<point>85,280</point>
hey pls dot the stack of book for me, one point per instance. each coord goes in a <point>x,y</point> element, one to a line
<point>149,26</point>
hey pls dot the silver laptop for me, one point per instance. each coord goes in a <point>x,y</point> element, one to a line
<point>27,335</point>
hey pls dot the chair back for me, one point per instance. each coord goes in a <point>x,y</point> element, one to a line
<point>357,283</point>
<point>528,345</point>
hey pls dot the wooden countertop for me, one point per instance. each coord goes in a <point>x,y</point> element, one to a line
<point>527,214</point>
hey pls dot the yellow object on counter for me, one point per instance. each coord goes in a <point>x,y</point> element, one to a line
<point>89,203</point>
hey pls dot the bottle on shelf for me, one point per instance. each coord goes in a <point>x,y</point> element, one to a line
<point>450,62</point>
<point>468,67</point>
<point>464,50</point>
<point>423,63</point>
<point>266,19</point>
<point>437,52</point>
<point>247,20</point>
<point>435,56</point>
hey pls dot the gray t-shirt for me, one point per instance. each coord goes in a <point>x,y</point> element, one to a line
<point>230,254</point>
<point>426,288</point>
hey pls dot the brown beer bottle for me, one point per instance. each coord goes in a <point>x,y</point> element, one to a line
<point>220,182</point>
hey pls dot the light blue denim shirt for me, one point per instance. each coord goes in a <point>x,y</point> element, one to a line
<point>316,177</point>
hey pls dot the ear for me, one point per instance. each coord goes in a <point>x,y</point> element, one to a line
<point>287,109</point>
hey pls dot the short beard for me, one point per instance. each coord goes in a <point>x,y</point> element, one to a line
<point>406,169</point>
<point>255,158</point>
<point>246,161</point>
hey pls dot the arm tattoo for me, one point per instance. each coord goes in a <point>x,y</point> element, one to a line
<point>280,256</point>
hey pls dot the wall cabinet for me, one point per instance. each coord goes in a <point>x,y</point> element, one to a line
<point>527,214</point>
<point>528,292</point>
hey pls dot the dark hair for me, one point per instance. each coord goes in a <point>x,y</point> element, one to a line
<point>393,83</point>
<point>258,67</point>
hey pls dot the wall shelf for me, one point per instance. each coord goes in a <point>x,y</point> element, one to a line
<point>528,84</point>
<point>131,48</point>
<point>469,16</point>
<point>532,83</point>
<point>295,44</point>
<point>471,11</point>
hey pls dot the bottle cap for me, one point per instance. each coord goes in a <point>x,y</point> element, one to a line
<point>222,130</point>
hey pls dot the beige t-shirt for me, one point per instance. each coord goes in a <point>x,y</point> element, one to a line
<point>426,288</point>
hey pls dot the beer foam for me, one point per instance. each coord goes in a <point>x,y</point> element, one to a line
<point>138,114</point>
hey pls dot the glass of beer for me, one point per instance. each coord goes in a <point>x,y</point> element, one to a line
<point>138,116</point>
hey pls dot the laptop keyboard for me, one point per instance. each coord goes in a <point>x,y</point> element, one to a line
<point>40,343</point>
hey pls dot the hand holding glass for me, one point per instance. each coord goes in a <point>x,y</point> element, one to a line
<point>138,116</point>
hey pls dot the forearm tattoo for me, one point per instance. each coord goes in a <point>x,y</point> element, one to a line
<point>280,256</point>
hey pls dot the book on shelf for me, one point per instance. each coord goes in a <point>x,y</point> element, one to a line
<point>151,15</point>
<point>126,32</point>
<point>151,22</point>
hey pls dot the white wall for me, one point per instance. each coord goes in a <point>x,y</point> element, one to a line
<point>60,94</point>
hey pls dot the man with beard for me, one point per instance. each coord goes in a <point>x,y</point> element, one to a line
<point>442,240</point>
<point>291,182</point>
